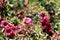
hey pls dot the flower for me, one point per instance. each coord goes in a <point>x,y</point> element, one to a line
<point>45,24</point>
<point>42,14</point>
<point>9,32</point>
<point>46,18</point>
<point>4,4</point>
<point>1,1</point>
<point>14,27</point>
<point>42,24</point>
<point>12,34</point>
<point>50,32</point>
<point>28,21</point>
<point>4,23</point>
<point>25,4</point>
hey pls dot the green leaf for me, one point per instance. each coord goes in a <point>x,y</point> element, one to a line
<point>31,0</point>
<point>3,35</point>
<point>43,3</point>
<point>15,22</point>
<point>52,1</point>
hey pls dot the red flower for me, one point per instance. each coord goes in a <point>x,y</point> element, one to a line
<point>4,23</point>
<point>1,1</point>
<point>41,15</point>
<point>50,33</point>
<point>14,27</point>
<point>9,32</point>
<point>42,24</point>
<point>12,34</point>
<point>4,4</point>
<point>46,18</point>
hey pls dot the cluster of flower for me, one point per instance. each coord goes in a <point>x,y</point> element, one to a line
<point>45,24</point>
<point>12,30</point>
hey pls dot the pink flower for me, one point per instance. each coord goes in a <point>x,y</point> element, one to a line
<point>14,27</point>
<point>12,34</point>
<point>50,32</point>
<point>9,32</point>
<point>41,15</point>
<point>42,24</point>
<point>0,18</point>
<point>4,4</point>
<point>25,4</point>
<point>4,23</point>
<point>28,21</point>
<point>1,1</point>
<point>46,18</point>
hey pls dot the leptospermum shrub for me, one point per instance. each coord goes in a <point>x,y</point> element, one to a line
<point>29,20</point>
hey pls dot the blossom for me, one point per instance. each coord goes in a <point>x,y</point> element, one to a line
<point>14,27</point>
<point>1,1</point>
<point>4,4</point>
<point>46,18</point>
<point>42,24</point>
<point>25,4</point>
<point>47,28</point>
<point>28,21</point>
<point>45,24</point>
<point>41,15</point>
<point>12,34</point>
<point>50,32</point>
<point>4,23</point>
<point>9,32</point>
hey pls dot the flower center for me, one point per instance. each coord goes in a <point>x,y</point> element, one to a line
<point>5,24</point>
<point>42,15</point>
<point>8,31</point>
<point>43,24</point>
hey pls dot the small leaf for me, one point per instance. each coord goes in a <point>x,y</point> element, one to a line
<point>43,3</point>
